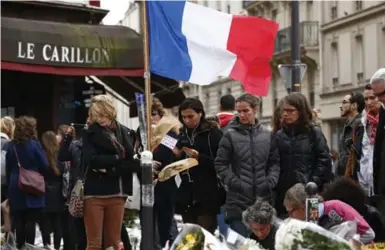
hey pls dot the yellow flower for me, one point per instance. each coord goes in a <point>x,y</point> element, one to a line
<point>189,237</point>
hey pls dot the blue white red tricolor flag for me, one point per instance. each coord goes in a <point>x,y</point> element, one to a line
<point>189,42</point>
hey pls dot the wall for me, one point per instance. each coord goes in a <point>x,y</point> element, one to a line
<point>132,17</point>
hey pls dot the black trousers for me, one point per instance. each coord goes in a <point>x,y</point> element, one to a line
<point>80,233</point>
<point>24,222</point>
<point>51,222</point>
<point>68,230</point>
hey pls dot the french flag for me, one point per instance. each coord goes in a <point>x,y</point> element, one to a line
<point>189,42</point>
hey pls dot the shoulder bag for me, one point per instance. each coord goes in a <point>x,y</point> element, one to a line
<point>30,182</point>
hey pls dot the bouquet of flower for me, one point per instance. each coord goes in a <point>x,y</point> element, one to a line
<point>194,237</point>
<point>250,244</point>
<point>299,235</point>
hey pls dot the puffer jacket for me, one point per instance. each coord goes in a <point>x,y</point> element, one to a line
<point>247,162</point>
<point>304,157</point>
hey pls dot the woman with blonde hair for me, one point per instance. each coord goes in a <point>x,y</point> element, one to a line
<point>26,152</point>
<point>108,165</point>
<point>54,199</point>
<point>7,129</point>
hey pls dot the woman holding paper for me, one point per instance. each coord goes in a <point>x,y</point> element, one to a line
<point>200,195</point>
<point>165,132</point>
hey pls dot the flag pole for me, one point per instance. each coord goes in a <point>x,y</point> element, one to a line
<point>147,75</point>
<point>147,187</point>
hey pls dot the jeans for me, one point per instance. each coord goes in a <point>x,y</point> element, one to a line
<point>25,225</point>
<point>103,215</point>
<point>221,222</point>
<point>51,222</point>
<point>239,227</point>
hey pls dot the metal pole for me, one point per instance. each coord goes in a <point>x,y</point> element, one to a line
<point>147,187</point>
<point>295,46</point>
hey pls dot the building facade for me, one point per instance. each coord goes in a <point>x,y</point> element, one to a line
<point>353,48</point>
<point>280,11</point>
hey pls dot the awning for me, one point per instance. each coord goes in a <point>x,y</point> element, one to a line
<point>112,53</point>
<point>73,49</point>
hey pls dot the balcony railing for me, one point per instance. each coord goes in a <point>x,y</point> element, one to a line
<point>309,32</point>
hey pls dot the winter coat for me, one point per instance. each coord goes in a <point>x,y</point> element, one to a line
<point>54,200</point>
<point>199,188</point>
<point>304,157</point>
<point>100,153</point>
<point>379,157</point>
<point>346,142</point>
<point>32,157</point>
<point>247,162</point>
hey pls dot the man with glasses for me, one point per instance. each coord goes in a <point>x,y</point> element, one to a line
<point>378,85</point>
<point>351,108</point>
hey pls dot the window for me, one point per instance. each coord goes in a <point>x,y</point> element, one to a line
<point>219,95</point>
<point>274,14</point>
<point>260,107</point>
<point>359,60</point>
<point>207,100</point>
<point>228,8</point>
<point>206,3</point>
<point>358,5</point>
<point>337,127</point>
<point>334,63</point>
<point>334,12</point>
<point>219,5</point>
<point>228,91</point>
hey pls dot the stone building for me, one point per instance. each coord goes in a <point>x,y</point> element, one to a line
<point>353,48</point>
<point>280,11</point>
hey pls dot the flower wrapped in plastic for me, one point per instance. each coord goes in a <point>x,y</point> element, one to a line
<point>194,237</point>
<point>300,235</point>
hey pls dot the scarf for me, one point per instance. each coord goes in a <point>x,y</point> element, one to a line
<point>373,121</point>
<point>115,133</point>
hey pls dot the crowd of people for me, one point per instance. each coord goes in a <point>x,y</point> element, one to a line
<point>248,175</point>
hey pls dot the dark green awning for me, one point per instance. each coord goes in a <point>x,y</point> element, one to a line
<point>70,45</point>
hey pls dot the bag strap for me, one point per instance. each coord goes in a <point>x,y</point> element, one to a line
<point>17,157</point>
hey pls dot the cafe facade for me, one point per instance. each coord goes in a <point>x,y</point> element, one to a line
<point>51,69</point>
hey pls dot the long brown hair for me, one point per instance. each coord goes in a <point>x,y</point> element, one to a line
<point>51,148</point>
<point>300,102</point>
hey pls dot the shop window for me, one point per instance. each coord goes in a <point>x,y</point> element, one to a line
<point>358,5</point>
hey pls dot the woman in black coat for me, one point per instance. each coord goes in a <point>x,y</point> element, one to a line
<point>199,195</point>
<point>54,199</point>
<point>304,153</point>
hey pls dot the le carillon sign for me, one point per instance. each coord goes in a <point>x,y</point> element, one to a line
<point>70,45</point>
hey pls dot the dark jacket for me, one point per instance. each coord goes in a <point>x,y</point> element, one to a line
<point>32,157</point>
<point>379,156</point>
<point>346,143</point>
<point>248,164</point>
<point>71,151</point>
<point>376,221</point>
<point>100,153</point>
<point>199,187</point>
<point>54,200</point>
<point>304,157</point>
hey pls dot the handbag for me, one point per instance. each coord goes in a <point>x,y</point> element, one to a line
<point>30,182</point>
<point>76,203</point>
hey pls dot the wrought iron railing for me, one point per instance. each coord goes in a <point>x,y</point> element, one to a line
<point>309,34</point>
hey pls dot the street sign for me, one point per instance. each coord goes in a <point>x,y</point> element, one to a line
<point>286,71</point>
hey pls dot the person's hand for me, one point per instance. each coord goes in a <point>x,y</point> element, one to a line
<point>177,152</point>
<point>191,152</point>
<point>156,165</point>
<point>70,130</point>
